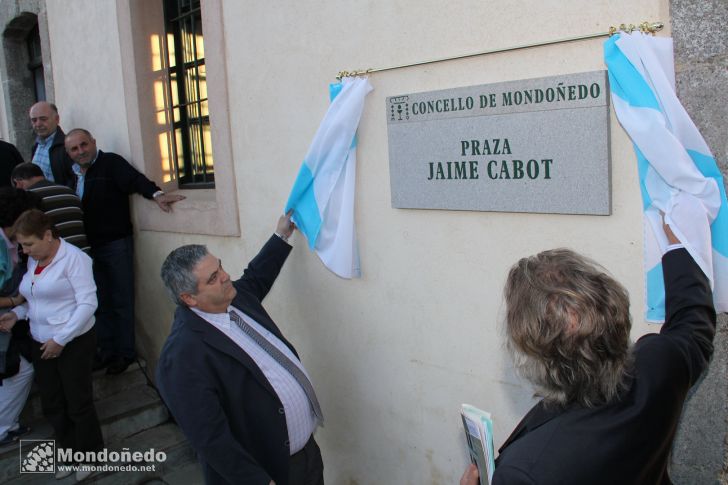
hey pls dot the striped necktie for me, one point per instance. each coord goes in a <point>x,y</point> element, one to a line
<point>283,360</point>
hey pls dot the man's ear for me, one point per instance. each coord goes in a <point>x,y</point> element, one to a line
<point>188,299</point>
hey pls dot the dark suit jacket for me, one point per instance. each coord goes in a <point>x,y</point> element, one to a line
<point>61,163</point>
<point>220,398</point>
<point>9,158</point>
<point>108,183</point>
<point>626,441</point>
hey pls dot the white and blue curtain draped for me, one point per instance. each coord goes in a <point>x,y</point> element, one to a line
<point>322,198</point>
<point>678,175</point>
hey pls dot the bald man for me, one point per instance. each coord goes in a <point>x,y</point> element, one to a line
<point>105,182</point>
<point>49,151</point>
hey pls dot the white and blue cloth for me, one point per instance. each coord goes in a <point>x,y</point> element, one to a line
<point>322,198</point>
<point>678,174</point>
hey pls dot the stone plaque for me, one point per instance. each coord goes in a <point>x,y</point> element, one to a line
<point>535,145</point>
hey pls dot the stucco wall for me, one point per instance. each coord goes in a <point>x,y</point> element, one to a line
<point>394,354</point>
<point>88,70</point>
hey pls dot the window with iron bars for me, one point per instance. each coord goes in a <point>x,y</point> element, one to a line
<point>35,63</point>
<point>188,104</point>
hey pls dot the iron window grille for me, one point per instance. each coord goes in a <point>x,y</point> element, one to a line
<point>187,77</point>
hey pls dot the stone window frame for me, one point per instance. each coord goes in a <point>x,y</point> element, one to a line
<point>209,211</point>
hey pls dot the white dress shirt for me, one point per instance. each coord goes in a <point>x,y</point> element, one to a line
<point>300,418</point>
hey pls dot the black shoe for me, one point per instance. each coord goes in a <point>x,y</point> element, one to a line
<point>101,361</point>
<point>21,431</point>
<point>14,436</point>
<point>118,365</point>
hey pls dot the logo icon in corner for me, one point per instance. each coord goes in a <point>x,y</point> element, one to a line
<point>37,456</point>
<point>397,105</point>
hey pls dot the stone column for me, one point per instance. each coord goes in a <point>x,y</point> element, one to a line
<point>700,453</point>
<point>17,19</point>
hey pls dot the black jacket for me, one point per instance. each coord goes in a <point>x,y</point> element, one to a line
<point>9,158</point>
<point>61,163</point>
<point>220,398</point>
<point>108,183</point>
<point>628,440</point>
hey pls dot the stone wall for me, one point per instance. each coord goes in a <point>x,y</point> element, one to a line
<point>17,20</point>
<point>701,65</point>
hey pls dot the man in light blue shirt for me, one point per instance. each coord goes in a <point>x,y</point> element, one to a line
<point>49,152</point>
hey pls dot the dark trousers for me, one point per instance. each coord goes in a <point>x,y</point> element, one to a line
<point>307,466</point>
<point>66,393</point>
<point>114,276</point>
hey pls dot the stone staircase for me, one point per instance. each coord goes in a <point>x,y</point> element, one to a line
<point>132,418</point>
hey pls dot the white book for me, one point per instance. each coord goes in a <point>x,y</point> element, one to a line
<point>479,435</point>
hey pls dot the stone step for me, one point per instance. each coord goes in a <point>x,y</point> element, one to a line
<point>103,387</point>
<point>107,386</point>
<point>122,415</point>
<point>130,412</point>
<point>189,474</point>
<point>165,437</point>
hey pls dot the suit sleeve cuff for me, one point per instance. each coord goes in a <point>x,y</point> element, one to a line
<point>283,238</point>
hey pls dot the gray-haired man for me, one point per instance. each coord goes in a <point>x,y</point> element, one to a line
<point>234,384</point>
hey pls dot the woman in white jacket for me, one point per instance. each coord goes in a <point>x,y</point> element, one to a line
<point>60,303</point>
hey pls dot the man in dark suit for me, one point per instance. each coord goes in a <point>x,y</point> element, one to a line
<point>249,416</point>
<point>49,151</point>
<point>609,410</point>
